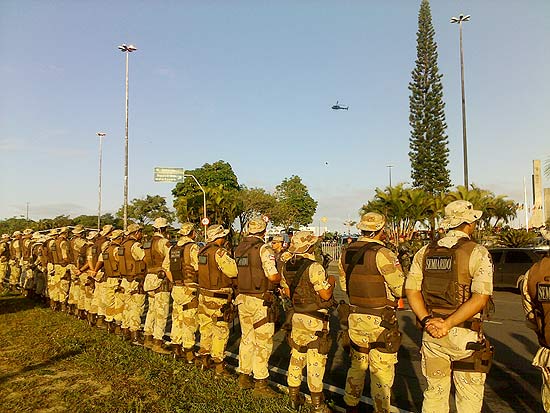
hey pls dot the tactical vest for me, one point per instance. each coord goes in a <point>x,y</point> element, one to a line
<point>180,264</point>
<point>127,265</point>
<point>251,278</point>
<point>56,251</point>
<point>447,280</point>
<point>6,253</point>
<point>538,287</point>
<point>26,246</point>
<point>210,276</point>
<point>153,258</point>
<point>14,254</point>
<point>42,254</point>
<point>78,255</point>
<point>366,287</point>
<point>46,250</point>
<point>110,265</point>
<point>304,297</point>
<point>95,252</point>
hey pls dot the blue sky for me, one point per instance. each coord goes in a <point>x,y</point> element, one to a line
<point>252,83</point>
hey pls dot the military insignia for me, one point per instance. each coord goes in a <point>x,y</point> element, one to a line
<point>543,292</point>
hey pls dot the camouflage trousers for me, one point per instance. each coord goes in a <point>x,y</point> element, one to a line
<point>112,310</point>
<point>157,314</point>
<point>184,322</point>
<point>3,271</point>
<point>133,304</point>
<point>98,303</point>
<point>256,343</point>
<point>214,332</point>
<point>303,332</point>
<point>542,361</point>
<point>365,329</point>
<point>15,272</point>
<point>82,280</point>
<point>60,283</point>
<point>50,272</point>
<point>39,282</point>
<point>74,290</point>
<point>437,355</point>
<point>27,277</point>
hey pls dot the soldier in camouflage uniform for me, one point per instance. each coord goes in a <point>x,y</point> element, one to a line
<point>78,245</point>
<point>216,269</point>
<point>40,258</point>
<point>87,280</point>
<point>108,260</point>
<point>181,265</point>
<point>15,260</point>
<point>97,272</point>
<point>310,289</point>
<point>375,280</point>
<point>30,259</point>
<point>4,258</point>
<point>132,269</point>
<point>50,268</point>
<point>535,294</point>
<point>157,287</point>
<point>26,270</point>
<point>61,258</point>
<point>257,281</point>
<point>453,344</point>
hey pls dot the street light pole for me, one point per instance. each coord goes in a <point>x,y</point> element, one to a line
<point>100,135</point>
<point>203,200</point>
<point>126,49</point>
<point>389,168</point>
<point>461,18</point>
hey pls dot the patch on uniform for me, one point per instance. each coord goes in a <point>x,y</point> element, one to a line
<point>242,261</point>
<point>396,262</point>
<point>272,257</point>
<point>203,259</point>
<point>439,263</point>
<point>543,292</point>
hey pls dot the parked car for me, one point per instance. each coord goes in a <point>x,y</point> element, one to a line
<point>510,263</point>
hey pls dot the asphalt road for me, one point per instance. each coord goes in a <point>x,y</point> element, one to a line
<point>513,385</point>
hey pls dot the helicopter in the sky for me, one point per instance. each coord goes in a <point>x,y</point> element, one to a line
<point>338,107</point>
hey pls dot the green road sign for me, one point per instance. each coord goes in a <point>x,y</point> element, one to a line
<point>169,174</point>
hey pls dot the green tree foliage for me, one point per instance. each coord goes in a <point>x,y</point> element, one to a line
<point>222,195</point>
<point>90,221</point>
<point>516,238</point>
<point>146,210</point>
<point>295,207</point>
<point>428,142</point>
<point>254,202</point>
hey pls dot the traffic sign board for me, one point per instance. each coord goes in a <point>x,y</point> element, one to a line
<point>205,221</point>
<point>169,174</point>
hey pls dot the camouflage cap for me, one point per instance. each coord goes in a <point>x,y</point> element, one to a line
<point>371,221</point>
<point>301,242</point>
<point>215,231</point>
<point>160,222</point>
<point>117,233</point>
<point>133,228</point>
<point>27,231</point>
<point>16,234</point>
<point>36,234</point>
<point>63,230</point>
<point>5,236</point>
<point>458,212</point>
<point>79,229</point>
<point>91,235</point>
<point>186,228</point>
<point>53,231</point>
<point>106,229</point>
<point>256,226</point>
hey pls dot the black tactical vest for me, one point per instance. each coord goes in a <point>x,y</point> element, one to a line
<point>304,297</point>
<point>180,264</point>
<point>251,278</point>
<point>210,276</point>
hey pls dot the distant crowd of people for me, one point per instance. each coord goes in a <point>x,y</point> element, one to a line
<point>114,278</point>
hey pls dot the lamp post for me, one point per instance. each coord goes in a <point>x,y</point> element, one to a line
<point>205,219</point>
<point>389,170</point>
<point>126,49</point>
<point>461,18</point>
<point>100,135</point>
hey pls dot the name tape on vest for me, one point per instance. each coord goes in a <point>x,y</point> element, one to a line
<point>543,293</point>
<point>439,263</point>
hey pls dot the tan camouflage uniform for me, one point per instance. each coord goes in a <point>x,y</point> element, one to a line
<point>542,357</point>
<point>256,343</point>
<point>304,329</point>
<point>99,299</point>
<point>76,291</point>
<point>61,278</point>
<point>184,322</point>
<point>15,259</point>
<point>364,329</point>
<point>214,334</point>
<point>437,353</point>
<point>159,301</point>
<point>4,254</point>
<point>132,301</point>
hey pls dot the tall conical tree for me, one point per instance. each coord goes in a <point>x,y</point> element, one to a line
<point>429,153</point>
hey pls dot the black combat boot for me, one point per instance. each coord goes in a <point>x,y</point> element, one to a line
<point>297,399</point>
<point>220,371</point>
<point>148,341</point>
<point>262,389</point>
<point>318,403</point>
<point>159,347</point>
<point>246,381</point>
<point>189,355</point>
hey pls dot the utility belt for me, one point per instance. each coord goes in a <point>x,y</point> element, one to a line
<point>208,293</point>
<point>273,311</point>
<point>228,309</point>
<point>194,303</point>
<point>323,341</point>
<point>481,359</point>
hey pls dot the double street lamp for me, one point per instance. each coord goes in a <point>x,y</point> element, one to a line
<point>100,135</point>
<point>126,49</point>
<point>461,18</point>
